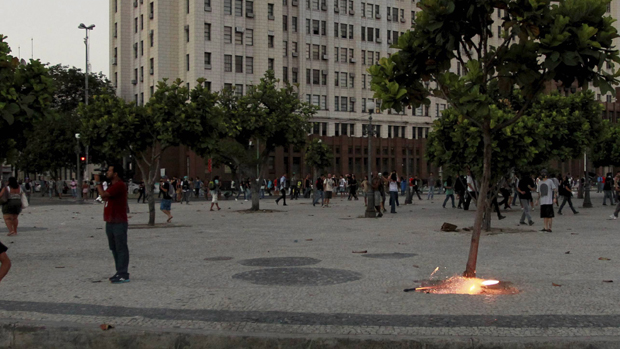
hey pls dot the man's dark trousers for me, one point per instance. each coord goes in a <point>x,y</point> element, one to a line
<point>470,195</point>
<point>283,197</point>
<point>117,239</point>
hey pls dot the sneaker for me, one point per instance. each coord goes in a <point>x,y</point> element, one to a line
<point>501,217</point>
<point>522,223</point>
<point>560,213</point>
<point>119,280</point>
<point>113,277</point>
<point>531,223</point>
<point>613,217</point>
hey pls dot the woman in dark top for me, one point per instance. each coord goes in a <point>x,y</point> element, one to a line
<point>12,207</point>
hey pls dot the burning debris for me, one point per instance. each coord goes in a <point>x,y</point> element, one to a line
<point>463,285</point>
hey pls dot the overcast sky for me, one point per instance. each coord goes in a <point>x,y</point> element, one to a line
<point>53,24</point>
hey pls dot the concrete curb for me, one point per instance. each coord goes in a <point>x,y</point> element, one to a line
<point>30,334</point>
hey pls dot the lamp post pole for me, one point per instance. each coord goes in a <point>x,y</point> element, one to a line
<point>86,28</point>
<point>587,203</point>
<point>370,208</point>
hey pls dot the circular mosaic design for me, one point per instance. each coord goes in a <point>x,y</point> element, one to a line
<point>389,255</point>
<point>217,259</point>
<point>298,276</point>
<point>280,262</point>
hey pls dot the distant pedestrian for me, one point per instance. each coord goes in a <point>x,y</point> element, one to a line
<point>186,190</point>
<point>393,188</point>
<point>73,188</point>
<point>546,197</point>
<point>214,187</point>
<point>283,185</point>
<point>472,190</point>
<point>526,185</point>
<point>319,190</point>
<point>142,192</point>
<point>328,186</point>
<point>431,187</point>
<point>566,193</point>
<point>11,196</point>
<point>166,201</point>
<point>449,191</point>
<point>197,186</point>
<point>617,194</point>
<point>460,188</point>
<point>352,187</point>
<point>608,187</point>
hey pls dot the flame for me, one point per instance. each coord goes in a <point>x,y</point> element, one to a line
<point>460,285</point>
<point>433,273</point>
<point>490,282</point>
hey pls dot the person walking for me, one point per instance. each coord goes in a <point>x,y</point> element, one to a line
<point>214,187</point>
<point>352,188</point>
<point>617,194</point>
<point>607,189</point>
<point>328,186</point>
<point>11,196</point>
<point>186,189</point>
<point>431,187</point>
<point>73,188</point>
<point>5,261</point>
<point>293,186</point>
<point>416,186</point>
<point>51,186</point>
<point>546,198</point>
<point>515,185</point>
<point>142,191</point>
<point>403,186</point>
<point>449,191</point>
<point>197,186</point>
<point>319,191</point>
<point>115,216</point>
<point>377,187</point>
<point>506,195</point>
<point>166,201</point>
<point>28,188</point>
<point>472,192</point>
<point>526,185</point>
<point>393,188</point>
<point>460,188</point>
<point>365,185</point>
<point>59,187</point>
<point>283,183</point>
<point>85,189</point>
<point>566,192</point>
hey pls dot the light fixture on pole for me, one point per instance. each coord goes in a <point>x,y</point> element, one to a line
<point>370,207</point>
<point>86,28</point>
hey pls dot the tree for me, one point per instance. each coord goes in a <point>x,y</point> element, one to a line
<point>555,128</point>
<point>117,128</point>
<point>569,42</point>
<point>266,118</point>
<point>51,142</point>
<point>318,156</point>
<point>25,96</point>
<point>606,152</point>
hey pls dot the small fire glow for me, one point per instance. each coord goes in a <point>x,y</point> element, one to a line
<point>459,285</point>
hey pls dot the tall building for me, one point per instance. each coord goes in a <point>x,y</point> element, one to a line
<point>325,46</point>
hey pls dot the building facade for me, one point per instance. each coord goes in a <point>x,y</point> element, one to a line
<point>325,46</point>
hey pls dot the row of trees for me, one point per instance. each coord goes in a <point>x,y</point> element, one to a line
<point>240,131</point>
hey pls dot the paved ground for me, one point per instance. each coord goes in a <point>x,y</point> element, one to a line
<point>293,272</point>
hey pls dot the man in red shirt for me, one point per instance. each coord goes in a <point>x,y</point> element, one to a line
<point>115,216</point>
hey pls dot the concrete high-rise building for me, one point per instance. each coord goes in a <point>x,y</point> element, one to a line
<point>325,46</point>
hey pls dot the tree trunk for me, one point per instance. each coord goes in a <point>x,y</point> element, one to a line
<point>148,175</point>
<point>255,195</point>
<point>470,270</point>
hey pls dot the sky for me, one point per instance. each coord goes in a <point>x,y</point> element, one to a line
<point>53,24</point>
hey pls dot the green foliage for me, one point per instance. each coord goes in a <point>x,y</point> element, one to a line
<point>606,152</point>
<point>555,128</point>
<point>318,155</point>
<point>25,95</point>
<point>69,87</point>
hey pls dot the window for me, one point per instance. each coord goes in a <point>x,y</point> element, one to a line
<point>284,48</point>
<point>351,53</point>
<point>307,26</point>
<point>239,8</point>
<point>135,25</point>
<point>294,48</point>
<point>315,4</point>
<point>370,11</point>
<point>228,7</point>
<point>350,31</point>
<point>207,60</point>
<point>115,5</point>
<point>135,50</point>
<point>238,64</point>
<point>370,58</point>
<point>363,57</point>
<point>239,38</point>
<point>284,73</point>
<point>207,31</point>
<point>335,30</point>
<point>294,24</point>
<point>115,30</point>
<point>364,106</point>
<point>323,28</point>
<point>308,76</point>
<point>315,52</point>
<point>270,11</point>
<point>187,33</point>
<point>343,79</point>
<point>363,81</point>
<point>307,51</point>
<point>270,41</point>
<point>249,37</point>
<point>316,100</point>
<point>343,30</point>
<point>336,75</point>
<point>285,23</point>
<point>343,55</point>
<point>351,109</point>
<point>207,5</point>
<point>323,102</point>
<point>336,103</point>
<point>315,27</point>
<point>249,65</point>
<point>316,77</point>
<point>187,62</point>
<point>270,63</point>
<point>141,74</point>
<point>370,34</point>
<point>228,35</point>
<point>249,7</point>
<point>239,90</point>
<point>228,63</point>
<point>343,103</point>
<point>151,10</point>
<point>152,66</point>
<point>116,82</point>
<point>141,22</point>
<point>351,81</point>
<point>295,76</point>
<point>141,47</point>
<point>363,33</point>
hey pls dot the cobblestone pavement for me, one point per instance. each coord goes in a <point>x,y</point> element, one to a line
<point>293,271</point>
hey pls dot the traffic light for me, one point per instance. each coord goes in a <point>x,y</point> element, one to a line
<point>82,159</point>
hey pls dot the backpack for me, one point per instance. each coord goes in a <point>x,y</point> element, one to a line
<point>298,184</point>
<point>275,182</point>
<point>211,185</point>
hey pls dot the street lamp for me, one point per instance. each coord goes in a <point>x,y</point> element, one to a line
<point>370,208</point>
<point>587,202</point>
<point>90,27</point>
<point>77,168</point>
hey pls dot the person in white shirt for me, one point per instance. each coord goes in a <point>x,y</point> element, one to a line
<point>546,197</point>
<point>328,186</point>
<point>471,190</point>
<point>283,184</point>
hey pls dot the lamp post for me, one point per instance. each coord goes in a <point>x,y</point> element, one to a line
<point>79,198</point>
<point>370,208</point>
<point>587,203</point>
<point>90,27</point>
<point>408,195</point>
